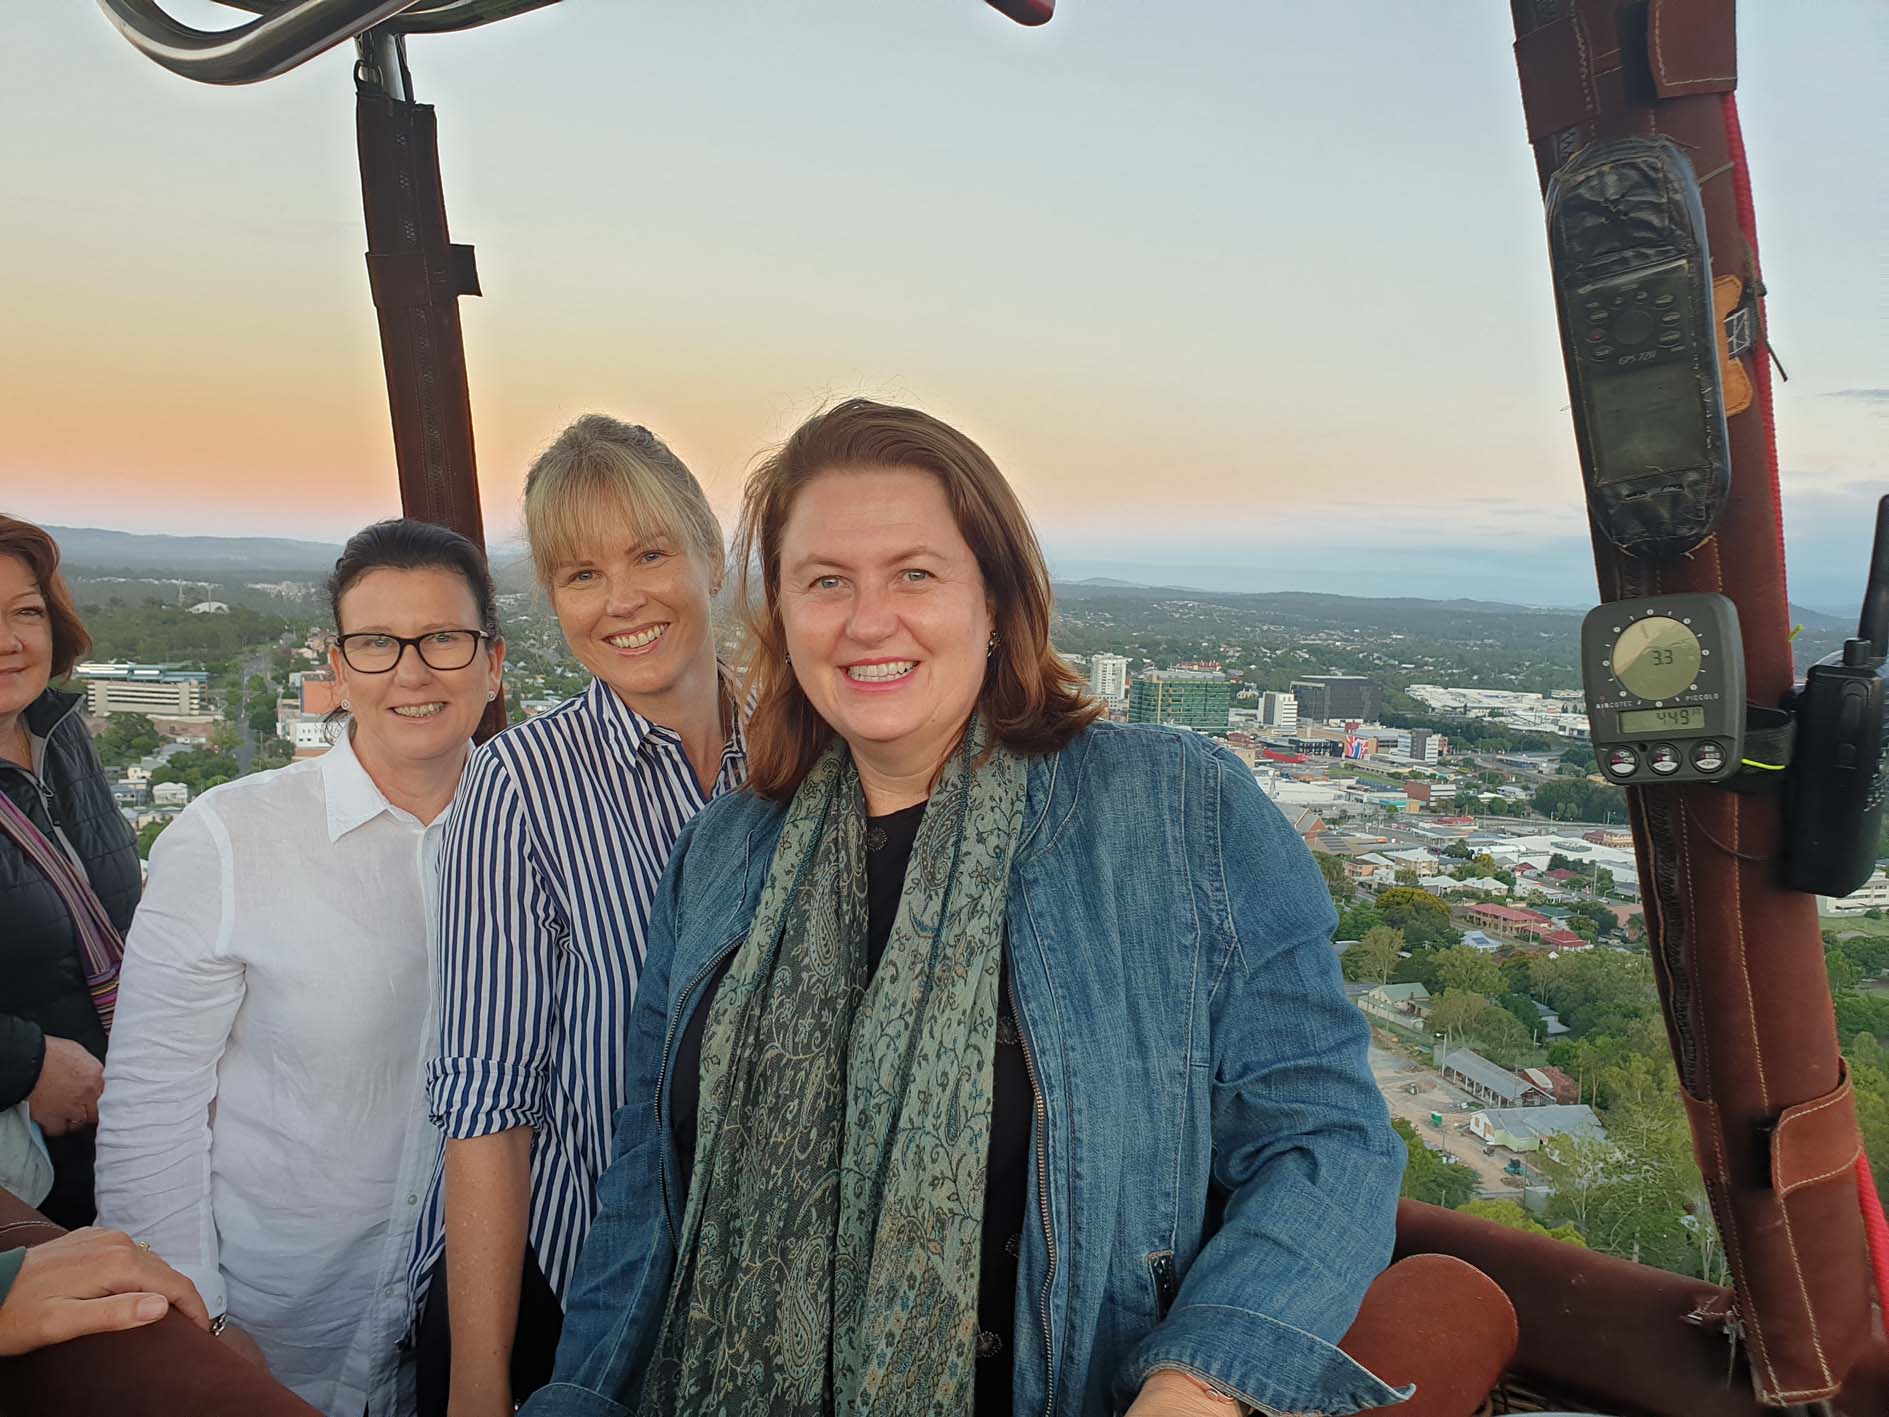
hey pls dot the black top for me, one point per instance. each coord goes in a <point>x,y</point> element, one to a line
<point>42,967</point>
<point>888,850</point>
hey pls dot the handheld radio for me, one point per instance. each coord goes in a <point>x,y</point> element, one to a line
<point>1838,777</point>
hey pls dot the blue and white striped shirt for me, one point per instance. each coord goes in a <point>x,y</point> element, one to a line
<point>558,837</point>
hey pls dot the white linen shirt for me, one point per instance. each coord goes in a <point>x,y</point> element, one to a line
<point>264,1123</point>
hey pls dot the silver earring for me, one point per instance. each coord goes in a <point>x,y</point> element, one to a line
<point>787,656</point>
<point>346,704</point>
<point>491,694</point>
<point>990,648</point>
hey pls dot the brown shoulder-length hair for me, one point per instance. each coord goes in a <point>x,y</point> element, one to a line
<point>1032,700</point>
<point>70,642</point>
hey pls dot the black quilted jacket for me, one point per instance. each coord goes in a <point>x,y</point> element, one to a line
<point>42,972</point>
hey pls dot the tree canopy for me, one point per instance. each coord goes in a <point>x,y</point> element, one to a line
<point>126,738</point>
<point>1428,1177</point>
<point>1424,919</point>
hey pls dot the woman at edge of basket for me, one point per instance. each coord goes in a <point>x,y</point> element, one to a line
<point>263,1125</point>
<point>56,1012</point>
<point>562,833</point>
<point>1071,1115</point>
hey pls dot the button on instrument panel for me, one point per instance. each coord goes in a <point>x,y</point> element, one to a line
<point>1665,683</point>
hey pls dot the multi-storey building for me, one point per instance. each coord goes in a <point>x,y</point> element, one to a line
<point>1279,711</point>
<point>1108,677</point>
<point>154,690</point>
<point>1324,697</point>
<point>1188,698</point>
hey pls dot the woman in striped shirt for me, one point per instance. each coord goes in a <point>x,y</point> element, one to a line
<point>560,834</point>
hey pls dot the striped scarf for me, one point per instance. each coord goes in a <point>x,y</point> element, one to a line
<point>99,942</point>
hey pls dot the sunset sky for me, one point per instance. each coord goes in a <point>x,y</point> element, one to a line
<point>1240,293</point>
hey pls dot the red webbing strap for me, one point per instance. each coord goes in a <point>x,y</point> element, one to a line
<point>1875,1226</point>
<point>1761,355</point>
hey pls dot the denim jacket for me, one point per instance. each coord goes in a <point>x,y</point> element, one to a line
<point>1216,1176</point>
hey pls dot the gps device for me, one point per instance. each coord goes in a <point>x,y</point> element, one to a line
<point>1839,774</point>
<point>1633,285</point>
<point>1665,682</point>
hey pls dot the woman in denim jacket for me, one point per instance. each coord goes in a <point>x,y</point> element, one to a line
<point>988,1057</point>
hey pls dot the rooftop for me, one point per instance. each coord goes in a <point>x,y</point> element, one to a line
<point>1557,1119</point>
<point>1511,913</point>
<point>145,673</point>
<point>1479,1069</point>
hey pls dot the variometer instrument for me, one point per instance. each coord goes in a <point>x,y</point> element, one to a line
<point>1665,682</point>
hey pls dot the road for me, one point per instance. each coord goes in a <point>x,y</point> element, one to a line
<point>1395,1072</point>
<point>256,662</point>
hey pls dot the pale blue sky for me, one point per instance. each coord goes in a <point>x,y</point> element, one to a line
<point>1224,283</point>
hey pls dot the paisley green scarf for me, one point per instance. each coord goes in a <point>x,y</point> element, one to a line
<point>829,1253</point>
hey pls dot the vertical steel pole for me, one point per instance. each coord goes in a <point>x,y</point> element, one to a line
<point>417,275</point>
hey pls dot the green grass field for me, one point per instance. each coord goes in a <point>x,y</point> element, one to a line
<point>1845,925</point>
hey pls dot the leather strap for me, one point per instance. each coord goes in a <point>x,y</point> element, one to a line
<point>1557,70</point>
<point>1816,1141</point>
<point>1692,47</point>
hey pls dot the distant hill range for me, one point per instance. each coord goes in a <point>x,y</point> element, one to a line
<point>98,552</point>
<point>85,548</point>
<point>1316,609</point>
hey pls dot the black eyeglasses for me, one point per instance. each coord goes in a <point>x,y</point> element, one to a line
<point>375,653</point>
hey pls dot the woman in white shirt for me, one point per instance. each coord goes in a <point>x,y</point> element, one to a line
<point>263,1124</point>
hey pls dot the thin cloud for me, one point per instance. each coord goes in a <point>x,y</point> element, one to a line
<point>1860,395</point>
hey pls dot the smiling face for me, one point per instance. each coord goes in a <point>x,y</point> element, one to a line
<point>886,616</point>
<point>25,638</point>
<point>635,611</point>
<point>414,713</point>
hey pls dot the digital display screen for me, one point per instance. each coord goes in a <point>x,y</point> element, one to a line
<point>1656,658</point>
<point>1662,720</point>
<point>1644,421</point>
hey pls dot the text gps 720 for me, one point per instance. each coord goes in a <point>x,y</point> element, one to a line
<point>1665,682</point>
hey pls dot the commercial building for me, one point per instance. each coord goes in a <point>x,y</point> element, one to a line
<point>1431,794</point>
<point>154,690</point>
<point>1279,711</point>
<point>1189,698</point>
<point>1525,1128</point>
<point>1540,850</point>
<point>1616,838</point>
<point>1323,697</point>
<point>1488,1082</point>
<point>1873,894</point>
<point>303,718</point>
<point>1406,1005</point>
<point>1108,677</point>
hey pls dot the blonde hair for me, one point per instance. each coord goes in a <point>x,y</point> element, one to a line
<point>599,464</point>
<point>1033,701</point>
